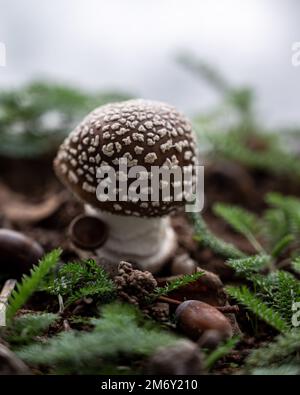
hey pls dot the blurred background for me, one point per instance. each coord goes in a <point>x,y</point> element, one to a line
<point>227,64</point>
<point>133,46</point>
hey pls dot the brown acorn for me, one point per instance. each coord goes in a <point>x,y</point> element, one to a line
<point>195,317</point>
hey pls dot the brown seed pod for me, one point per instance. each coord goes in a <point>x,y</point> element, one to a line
<point>18,253</point>
<point>194,317</point>
<point>88,232</point>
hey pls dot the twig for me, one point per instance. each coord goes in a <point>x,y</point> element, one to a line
<point>5,294</point>
<point>7,290</point>
<point>228,309</point>
<point>66,325</point>
<point>60,304</point>
<point>168,300</point>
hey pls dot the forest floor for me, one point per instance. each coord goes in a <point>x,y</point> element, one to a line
<point>32,201</point>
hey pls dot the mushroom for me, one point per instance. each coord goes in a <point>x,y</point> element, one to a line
<point>145,133</point>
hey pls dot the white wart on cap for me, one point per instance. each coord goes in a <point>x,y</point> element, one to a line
<point>147,133</point>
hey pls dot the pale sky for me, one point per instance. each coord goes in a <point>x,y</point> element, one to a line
<point>131,45</point>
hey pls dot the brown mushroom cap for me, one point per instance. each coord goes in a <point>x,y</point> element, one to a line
<point>147,133</point>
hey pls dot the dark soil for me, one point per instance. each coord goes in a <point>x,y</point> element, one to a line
<point>34,202</point>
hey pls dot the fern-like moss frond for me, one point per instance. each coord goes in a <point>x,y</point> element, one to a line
<point>249,265</point>
<point>31,282</point>
<point>290,207</point>
<point>231,146</point>
<point>285,346</point>
<point>76,280</point>
<point>296,264</point>
<point>207,239</point>
<point>25,327</point>
<point>245,297</point>
<point>119,332</point>
<point>241,220</point>
<point>283,290</point>
<point>177,283</point>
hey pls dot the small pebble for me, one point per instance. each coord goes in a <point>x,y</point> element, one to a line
<point>183,264</point>
<point>18,253</point>
<point>211,339</point>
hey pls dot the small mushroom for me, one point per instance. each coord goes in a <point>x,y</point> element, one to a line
<point>145,133</point>
<point>195,317</point>
<point>18,253</point>
<point>88,232</point>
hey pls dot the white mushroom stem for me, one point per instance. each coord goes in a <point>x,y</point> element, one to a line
<point>148,242</point>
